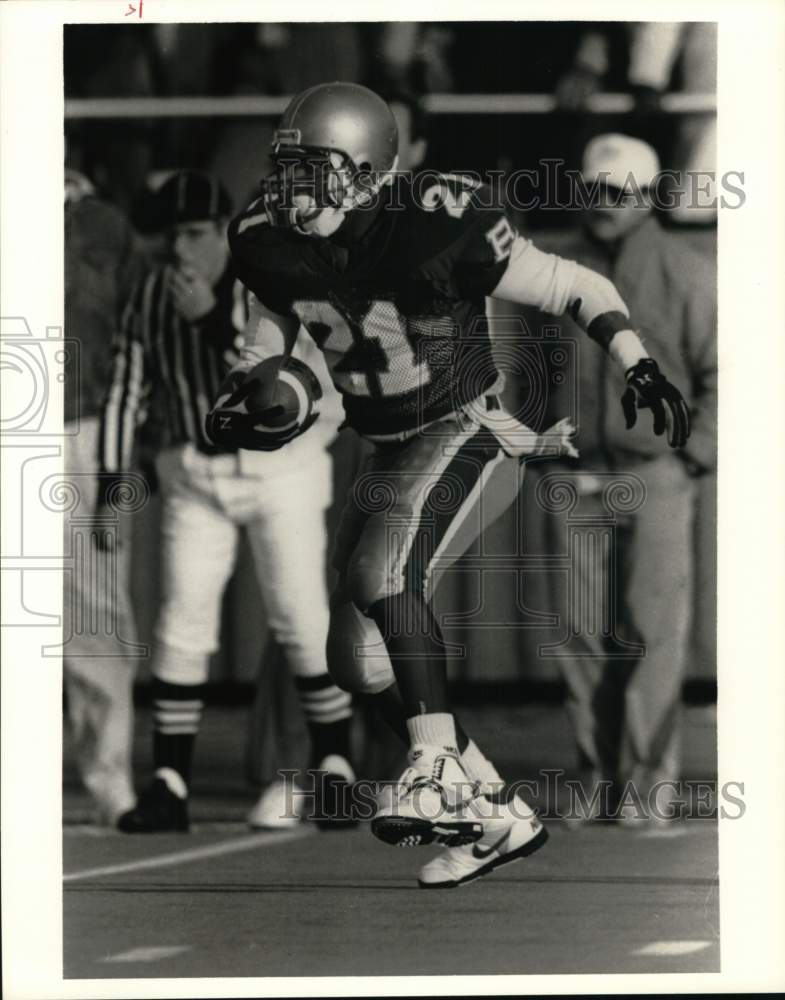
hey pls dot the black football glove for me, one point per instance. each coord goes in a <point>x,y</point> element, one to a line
<point>649,389</point>
<point>230,425</point>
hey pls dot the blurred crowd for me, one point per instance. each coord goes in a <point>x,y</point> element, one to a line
<point>572,61</point>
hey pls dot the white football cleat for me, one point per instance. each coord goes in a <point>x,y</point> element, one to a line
<point>511,832</point>
<point>279,807</point>
<point>432,802</point>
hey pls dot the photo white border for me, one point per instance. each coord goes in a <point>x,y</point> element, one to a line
<point>751,678</point>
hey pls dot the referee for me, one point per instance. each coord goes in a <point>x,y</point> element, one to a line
<point>177,341</point>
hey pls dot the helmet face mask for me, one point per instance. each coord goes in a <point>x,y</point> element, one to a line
<point>305,181</point>
<point>335,147</point>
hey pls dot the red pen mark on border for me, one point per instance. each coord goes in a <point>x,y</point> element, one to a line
<point>132,9</point>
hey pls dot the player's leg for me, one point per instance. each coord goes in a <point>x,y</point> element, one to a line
<point>198,543</point>
<point>289,543</point>
<point>359,660</point>
<point>413,496</point>
<point>511,828</point>
<point>429,487</point>
<point>387,503</point>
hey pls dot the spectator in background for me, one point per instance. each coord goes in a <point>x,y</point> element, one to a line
<point>626,715</point>
<point>177,342</point>
<point>660,54</point>
<point>101,266</point>
<point>412,56</point>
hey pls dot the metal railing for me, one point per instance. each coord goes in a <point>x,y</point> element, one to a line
<point>253,106</point>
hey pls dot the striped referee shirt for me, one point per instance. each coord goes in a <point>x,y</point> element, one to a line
<point>162,361</point>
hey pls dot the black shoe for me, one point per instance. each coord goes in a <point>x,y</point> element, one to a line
<point>335,779</point>
<point>158,810</point>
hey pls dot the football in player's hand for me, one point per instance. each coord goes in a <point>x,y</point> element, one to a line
<point>273,403</point>
<point>274,396</point>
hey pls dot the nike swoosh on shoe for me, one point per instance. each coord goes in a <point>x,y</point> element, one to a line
<point>481,853</point>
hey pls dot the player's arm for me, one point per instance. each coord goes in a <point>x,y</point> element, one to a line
<point>271,328</point>
<point>235,419</point>
<point>556,286</point>
<point>267,334</point>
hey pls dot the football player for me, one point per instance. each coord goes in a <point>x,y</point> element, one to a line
<point>389,275</point>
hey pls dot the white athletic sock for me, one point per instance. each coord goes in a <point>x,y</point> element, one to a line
<point>437,729</point>
<point>479,768</point>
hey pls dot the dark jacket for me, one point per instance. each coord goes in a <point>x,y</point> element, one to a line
<point>670,290</point>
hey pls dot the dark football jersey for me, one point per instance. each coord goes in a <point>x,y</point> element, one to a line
<point>400,315</point>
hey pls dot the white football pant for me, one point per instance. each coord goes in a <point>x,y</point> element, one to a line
<point>280,498</point>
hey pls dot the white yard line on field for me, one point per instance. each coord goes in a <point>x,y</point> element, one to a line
<point>154,953</point>
<point>665,948</point>
<point>232,846</point>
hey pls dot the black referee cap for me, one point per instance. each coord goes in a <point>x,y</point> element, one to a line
<point>189,196</point>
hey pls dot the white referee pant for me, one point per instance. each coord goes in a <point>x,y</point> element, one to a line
<point>280,498</point>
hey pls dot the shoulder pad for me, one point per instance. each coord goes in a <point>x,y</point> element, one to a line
<point>443,209</point>
<point>266,258</point>
<point>251,232</point>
